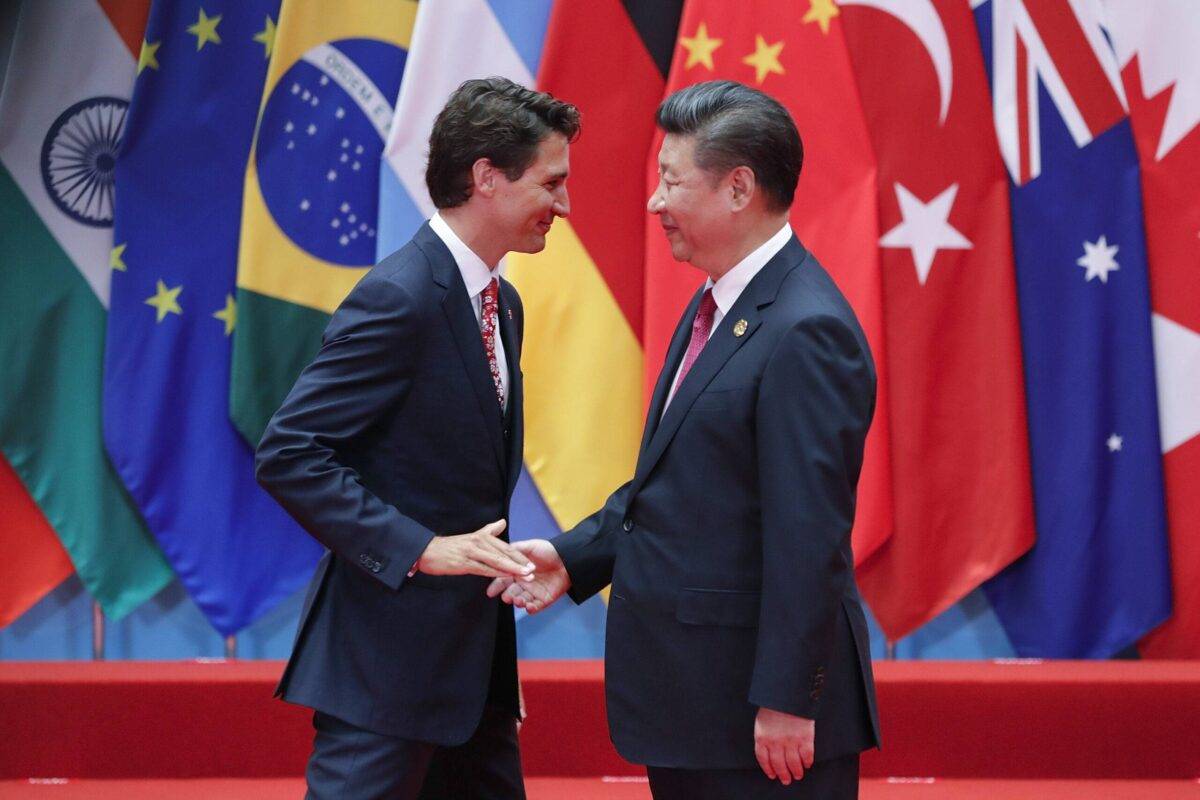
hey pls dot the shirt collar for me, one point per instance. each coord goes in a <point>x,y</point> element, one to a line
<point>475,273</point>
<point>727,290</point>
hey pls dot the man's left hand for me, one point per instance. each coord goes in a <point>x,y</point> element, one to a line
<point>783,744</point>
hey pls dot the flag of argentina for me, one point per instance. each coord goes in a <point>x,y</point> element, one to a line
<point>506,39</point>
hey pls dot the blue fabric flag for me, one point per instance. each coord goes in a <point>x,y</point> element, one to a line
<point>179,185</point>
<point>1097,579</point>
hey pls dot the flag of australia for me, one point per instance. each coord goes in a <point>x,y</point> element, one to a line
<point>1097,579</point>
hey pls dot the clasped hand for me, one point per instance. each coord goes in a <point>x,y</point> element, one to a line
<point>480,552</point>
<point>534,593</point>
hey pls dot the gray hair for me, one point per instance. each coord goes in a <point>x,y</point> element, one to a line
<point>735,125</point>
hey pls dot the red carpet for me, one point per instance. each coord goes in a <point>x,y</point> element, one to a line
<point>1128,725</point>
<point>599,789</point>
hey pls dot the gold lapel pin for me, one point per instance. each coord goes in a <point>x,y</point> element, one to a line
<point>739,327</point>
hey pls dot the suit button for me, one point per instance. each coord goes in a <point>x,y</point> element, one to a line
<point>627,525</point>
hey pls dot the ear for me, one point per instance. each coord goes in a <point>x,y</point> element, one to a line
<point>742,187</point>
<point>483,176</point>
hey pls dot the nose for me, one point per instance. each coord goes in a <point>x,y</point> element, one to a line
<point>656,203</point>
<point>562,203</point>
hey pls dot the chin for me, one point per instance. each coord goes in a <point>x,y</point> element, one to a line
<point>534,245</point>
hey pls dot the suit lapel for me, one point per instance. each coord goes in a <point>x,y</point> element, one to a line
<point>720,348</point>
<point>461,317</point>
<point>512,353</point>
<point>675,351</point>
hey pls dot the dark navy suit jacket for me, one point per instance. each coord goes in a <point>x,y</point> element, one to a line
<point>392,434</point>
<point>729,551</point>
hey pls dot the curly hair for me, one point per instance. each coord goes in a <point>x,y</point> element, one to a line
<point>496,119</point>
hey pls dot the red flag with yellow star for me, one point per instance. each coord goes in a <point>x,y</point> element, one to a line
<point>802,61</point>
<point>960,457</point>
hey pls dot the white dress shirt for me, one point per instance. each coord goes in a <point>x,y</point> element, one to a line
<point>476,275</point>
<point>729,288</point>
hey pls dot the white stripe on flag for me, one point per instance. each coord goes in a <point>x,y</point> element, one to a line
<point>65,51</point>
<point>438,62</point>
<point>357,83</point>
<point>1177,359</point>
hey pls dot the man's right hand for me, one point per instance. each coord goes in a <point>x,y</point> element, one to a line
<point>547,584</point>
<point>478,553</point>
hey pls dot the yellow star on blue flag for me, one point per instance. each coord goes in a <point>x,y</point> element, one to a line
<point>165,301</point>
<point>205,30</point>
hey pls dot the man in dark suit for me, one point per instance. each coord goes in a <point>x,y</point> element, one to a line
<point>737,660</point>
<point>407,428</point>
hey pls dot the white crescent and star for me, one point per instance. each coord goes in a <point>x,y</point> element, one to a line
<point>922,19</point>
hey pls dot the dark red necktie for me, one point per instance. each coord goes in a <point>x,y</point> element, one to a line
<point>701,327</point>
<point>489,308</point>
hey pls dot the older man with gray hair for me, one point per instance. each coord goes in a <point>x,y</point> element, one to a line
<point>737,657</point>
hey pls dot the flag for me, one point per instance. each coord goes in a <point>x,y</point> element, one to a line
<point>60,126</point>
<point>583,294</point>
<point>1098,578</point>
<point>799,57</point>
<point>311,196</point>
<point>1155,47</point>
<point>435,69</point>
<point>34,560</point>
<point>960,453</point>
<point>166,379</point>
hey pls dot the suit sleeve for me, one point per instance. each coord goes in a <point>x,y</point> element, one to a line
<point>589,550</point>
<point>815,405</point>
<point>363,368</point>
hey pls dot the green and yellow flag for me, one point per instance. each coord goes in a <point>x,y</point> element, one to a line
<point>310,205</point>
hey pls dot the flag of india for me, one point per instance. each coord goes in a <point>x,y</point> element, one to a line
<point>66,89</point>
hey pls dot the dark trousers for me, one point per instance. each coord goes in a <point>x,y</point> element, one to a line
<point>836,779</point>
<point>350,763</point>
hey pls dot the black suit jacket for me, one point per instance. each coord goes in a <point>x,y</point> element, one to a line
<point>729,551</point>
<point>391,435</point>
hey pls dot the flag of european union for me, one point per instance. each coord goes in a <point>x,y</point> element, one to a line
<point>1098,579</point>
<point>179,185</point>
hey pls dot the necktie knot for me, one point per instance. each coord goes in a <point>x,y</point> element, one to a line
<point>491,293</point>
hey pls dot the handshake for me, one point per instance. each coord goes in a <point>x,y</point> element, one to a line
<point>526,574</point>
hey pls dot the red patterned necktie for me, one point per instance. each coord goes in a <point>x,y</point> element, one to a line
<point>701,327</point>
<point>489,317</point>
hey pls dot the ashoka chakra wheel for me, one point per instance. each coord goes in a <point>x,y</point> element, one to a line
<point>79,156</point>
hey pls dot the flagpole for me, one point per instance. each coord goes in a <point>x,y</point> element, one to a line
<point>231,647</point>
<point>97,632</point>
